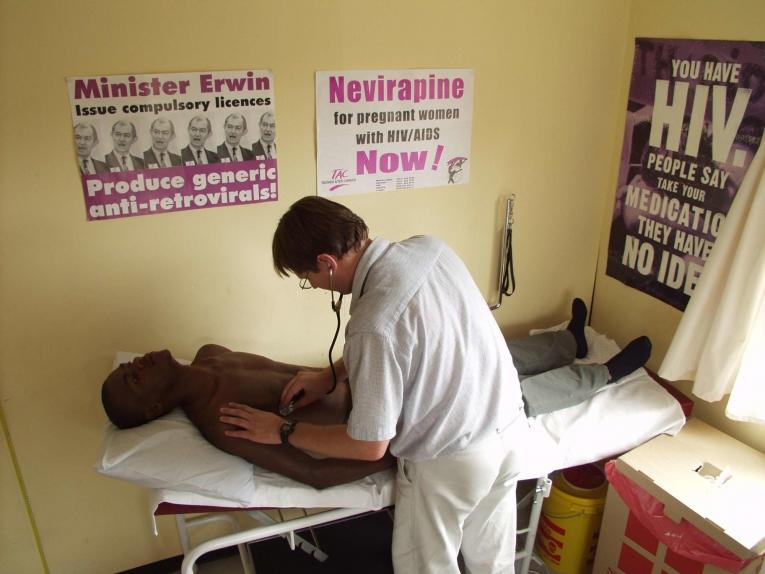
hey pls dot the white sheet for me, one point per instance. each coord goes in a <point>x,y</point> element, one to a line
<point>620,417</point>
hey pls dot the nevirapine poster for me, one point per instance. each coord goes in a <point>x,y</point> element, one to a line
<point>390,130</point>
<point>695,118</point>
<point>157,143</point>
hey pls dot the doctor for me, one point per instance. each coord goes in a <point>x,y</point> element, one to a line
<point>431,377</point>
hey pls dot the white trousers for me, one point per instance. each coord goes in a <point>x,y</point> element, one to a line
<point>464,501</point>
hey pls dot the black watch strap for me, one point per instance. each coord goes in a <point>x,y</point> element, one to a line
<point>287,428</point>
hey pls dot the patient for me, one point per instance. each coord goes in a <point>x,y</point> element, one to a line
<point>155,384</point>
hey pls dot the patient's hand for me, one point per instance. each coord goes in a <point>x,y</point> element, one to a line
<point>252,424</point>
<point>314,384</point>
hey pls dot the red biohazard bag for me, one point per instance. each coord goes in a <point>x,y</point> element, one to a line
<point>682,538</point>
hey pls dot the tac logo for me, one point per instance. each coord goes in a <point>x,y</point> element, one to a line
<point>338,177</point>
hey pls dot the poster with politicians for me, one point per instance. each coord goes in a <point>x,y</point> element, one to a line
<point>390,130</point>
<point>695,118</point>
<point>157,143</point>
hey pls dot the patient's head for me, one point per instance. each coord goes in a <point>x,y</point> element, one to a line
<point>140,391</point>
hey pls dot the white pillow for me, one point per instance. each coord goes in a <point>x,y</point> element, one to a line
<point>171,453</point>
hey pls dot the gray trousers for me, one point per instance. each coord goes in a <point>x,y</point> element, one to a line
<point>549,381</point>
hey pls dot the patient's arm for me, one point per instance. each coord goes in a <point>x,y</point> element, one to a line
<point>294,463</point>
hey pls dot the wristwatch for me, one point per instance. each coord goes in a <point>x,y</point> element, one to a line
<point>287,428</point>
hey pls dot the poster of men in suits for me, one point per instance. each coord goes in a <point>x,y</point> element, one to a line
<point>695,117</point>
<point>154,143</point>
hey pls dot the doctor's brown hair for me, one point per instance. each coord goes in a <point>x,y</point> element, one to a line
<point>312,226</point>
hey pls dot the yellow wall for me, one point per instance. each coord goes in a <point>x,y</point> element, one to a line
<point>621,311</point>
<point>75,292</point>
<point>546,127</point>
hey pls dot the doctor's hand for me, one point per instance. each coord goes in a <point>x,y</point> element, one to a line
<point>253,424</point>
<point>313,384</point>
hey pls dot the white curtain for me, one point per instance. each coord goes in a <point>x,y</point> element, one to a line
<point>720,341</point>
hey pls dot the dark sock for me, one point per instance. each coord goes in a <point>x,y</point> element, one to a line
<point>629,359</point>
<point>576,326</point>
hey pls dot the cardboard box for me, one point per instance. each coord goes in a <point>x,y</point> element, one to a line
<point>703,478</point>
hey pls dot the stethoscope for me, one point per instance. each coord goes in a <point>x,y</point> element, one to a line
<point>286,411</point>
<point>336,309</point>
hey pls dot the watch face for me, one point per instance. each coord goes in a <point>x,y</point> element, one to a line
<point>286,430</point>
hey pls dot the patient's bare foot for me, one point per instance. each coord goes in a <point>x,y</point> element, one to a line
<point>576,326</point>
<point>629,359</point>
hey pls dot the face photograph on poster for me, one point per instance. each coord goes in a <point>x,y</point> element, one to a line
<point>157,143</point>
<point>695,119</point>
<point>391,130</point>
